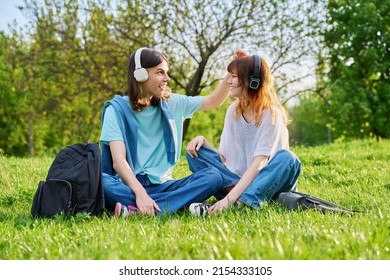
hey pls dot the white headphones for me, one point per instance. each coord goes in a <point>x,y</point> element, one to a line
<point>140,73</point>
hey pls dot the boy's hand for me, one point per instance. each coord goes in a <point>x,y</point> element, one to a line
<point>239,53</point>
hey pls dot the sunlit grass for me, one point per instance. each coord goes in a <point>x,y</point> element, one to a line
<point>354,174</point>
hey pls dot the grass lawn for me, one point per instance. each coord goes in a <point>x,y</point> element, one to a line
<point>354,174</point>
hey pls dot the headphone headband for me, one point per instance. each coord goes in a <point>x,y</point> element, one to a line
<point>138,58</point>
<point>254,80</point>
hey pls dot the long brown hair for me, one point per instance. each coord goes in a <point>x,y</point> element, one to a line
<point>256,100</point>
<point>134,90</point>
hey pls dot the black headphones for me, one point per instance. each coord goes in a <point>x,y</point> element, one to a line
<point>254,79</point>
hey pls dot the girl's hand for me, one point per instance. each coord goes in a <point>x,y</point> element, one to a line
<point>194,146</point>
<point>219,206</point>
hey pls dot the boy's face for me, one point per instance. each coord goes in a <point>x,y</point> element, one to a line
<point>157,80</point>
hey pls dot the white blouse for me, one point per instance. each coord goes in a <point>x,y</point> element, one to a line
<point>242,141</point>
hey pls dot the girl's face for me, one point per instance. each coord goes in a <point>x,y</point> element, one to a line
<point>235,86</point>
<point>157,80</point>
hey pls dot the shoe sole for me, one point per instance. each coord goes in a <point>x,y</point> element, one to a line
<point>117,210</point>
<point>199,211</point>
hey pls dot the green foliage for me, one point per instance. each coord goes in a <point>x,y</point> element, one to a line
<point>358,40</point>
<point>71,64</point>
<point>12,127</point>
<point>309,123</point>
<point>209,124</point>
<point>354,174</point>
<point>352,93</point>
<point>71,57</point>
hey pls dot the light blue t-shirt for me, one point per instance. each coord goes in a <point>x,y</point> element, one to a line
<point>151,156</point>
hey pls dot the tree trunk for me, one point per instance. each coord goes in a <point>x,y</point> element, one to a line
<point>30,138</point>
<point>186,124</point>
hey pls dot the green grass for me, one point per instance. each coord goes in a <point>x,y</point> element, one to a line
<point>354,174</point>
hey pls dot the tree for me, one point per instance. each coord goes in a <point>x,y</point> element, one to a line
<point>78,55</point>
<point>358,41</point>
<point>200,37</point>
<point>77,51</point>
<point>12,122</point>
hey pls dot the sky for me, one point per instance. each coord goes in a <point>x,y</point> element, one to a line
<point>9,12</point>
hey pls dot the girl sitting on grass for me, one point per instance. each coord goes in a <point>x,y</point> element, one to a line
<point>254,156</point>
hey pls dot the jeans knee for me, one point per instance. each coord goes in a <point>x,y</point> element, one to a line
<point>193,163</point>
<point>291,162</point>
<point>287,156</point>
<point>191,159</point>
<point>188,157</point>
<point>203,160</point>
<point>214,176</point>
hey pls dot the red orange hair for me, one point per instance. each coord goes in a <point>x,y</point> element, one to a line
<point>256,100</point>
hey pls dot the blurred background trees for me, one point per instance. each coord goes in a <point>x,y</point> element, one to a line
<point>330,61</point>
<point>352,94</point>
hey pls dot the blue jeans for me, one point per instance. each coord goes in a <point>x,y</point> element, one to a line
<point>169,196</point>
<point>279,175</point>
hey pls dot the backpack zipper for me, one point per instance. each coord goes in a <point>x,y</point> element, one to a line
<point>70,192</point>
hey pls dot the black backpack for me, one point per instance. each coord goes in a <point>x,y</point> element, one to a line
<point>300,201</point>
<point>73,183</point>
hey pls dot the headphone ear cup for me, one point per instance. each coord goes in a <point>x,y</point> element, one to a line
<point>254,83</point>
<point>141,75</point>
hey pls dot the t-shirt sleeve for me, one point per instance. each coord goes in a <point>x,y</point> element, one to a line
<point>186,105</point>
<point>110,127</point>
<point>269,134</point>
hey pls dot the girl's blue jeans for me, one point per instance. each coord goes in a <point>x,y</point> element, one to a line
<point>279,175</point>
<point>169,196</point>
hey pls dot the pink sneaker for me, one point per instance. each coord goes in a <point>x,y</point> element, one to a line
<point>123,211</point>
